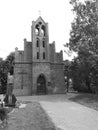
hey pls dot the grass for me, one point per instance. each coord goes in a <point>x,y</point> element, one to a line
<point>32,117</point>
<point>88,100</point>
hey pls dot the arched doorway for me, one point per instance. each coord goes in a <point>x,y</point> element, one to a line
<point>41,84</point>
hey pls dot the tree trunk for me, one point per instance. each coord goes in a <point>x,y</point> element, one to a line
<point>88,84</point>
<point>67,83</point>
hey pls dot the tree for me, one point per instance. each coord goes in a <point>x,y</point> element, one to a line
<point>67,72</point>
<point>84,33</point>
<point>9,62</point>
<point>3,78</point>
<point>6,66</point>
<point>83,40</point>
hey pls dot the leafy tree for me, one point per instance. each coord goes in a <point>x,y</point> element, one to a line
<point>84,33</point>
<point>6,66</point>
<point>83,40</point>
<point>9,62</point>
<point>67,73</point>
<point>3,78</point>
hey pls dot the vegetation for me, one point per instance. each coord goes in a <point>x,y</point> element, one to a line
<point>83,40</point>
<point>88,100</point>
<point>67,75</point>
<point>5,66</point>
<point>31,117</point>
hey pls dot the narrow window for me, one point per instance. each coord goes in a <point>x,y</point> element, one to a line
<point>37,29</point>
<point>37,43</point>
<point>43,30</point>
<point>43,55</point>
<point>43,43</point>
<point>37,55</point>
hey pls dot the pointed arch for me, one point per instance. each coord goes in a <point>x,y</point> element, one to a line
<point>41,84</point>
<point>43,30</point>
<point>37,29</point>
<point>43,43</point>
<point>37,42</point>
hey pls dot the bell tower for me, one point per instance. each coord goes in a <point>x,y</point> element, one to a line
<point>40,41</point>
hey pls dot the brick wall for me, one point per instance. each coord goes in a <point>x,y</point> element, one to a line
<point>37,69</point>
<point>57,78</point>
<point>28,68</point>
<point>27,51</point>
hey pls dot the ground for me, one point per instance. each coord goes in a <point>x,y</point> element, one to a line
<point>55,112</point>
<point>86,99</point>
<point>31,117</point>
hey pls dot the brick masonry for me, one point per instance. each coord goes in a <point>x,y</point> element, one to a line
<point>29,67</point>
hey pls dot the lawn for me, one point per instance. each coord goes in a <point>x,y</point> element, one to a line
<point>31,117</point>
<point>89,100</point>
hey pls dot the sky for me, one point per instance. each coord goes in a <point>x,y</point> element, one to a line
<point>16,17</point>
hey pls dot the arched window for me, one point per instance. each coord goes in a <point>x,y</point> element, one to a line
<point>37,55</point>
<point>37,43</point>
<point>37,29</point>
<point>43,43</point>
<point>43,55</point>
<point>40,23</point>
<point>43,30</point>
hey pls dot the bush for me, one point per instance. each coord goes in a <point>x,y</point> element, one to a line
<point>3,114</point>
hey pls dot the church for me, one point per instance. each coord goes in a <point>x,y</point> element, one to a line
<point>38,69</point>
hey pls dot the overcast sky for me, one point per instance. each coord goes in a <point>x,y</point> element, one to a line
<point>16,17</point>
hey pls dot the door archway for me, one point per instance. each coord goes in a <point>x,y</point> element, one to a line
<point>41,84</point>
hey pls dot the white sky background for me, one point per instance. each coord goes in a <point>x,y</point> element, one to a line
<point>16,17</point>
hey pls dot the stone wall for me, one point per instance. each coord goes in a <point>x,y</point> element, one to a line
<point>57,78</point>
<point>52,52</point>
<point>27,51</point>
<point>23,78</point>
<point>59,57</point>
<point>37,69</point>
<point>28,68</point>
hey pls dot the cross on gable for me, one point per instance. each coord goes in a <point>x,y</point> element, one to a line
<point>39,13</point>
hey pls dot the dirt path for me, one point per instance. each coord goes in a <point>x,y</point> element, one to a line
<point>71,116</point>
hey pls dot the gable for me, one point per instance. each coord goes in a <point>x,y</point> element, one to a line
<point>40,20</point>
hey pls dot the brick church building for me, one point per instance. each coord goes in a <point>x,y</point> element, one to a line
<point>38,69</point>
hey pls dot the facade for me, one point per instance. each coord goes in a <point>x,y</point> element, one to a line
<point>38,69</point>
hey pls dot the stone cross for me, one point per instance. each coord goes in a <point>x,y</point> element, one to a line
<point>39,13</point>
<point>22,73</point>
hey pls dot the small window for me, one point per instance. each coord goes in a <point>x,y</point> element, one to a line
<point>37,55</point>
<point>43,43</point>
<point>37,43</point>
<point>43,55</point>
<point>40,23</point>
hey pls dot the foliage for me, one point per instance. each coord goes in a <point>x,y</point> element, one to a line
<point>9,62</point>
<point>84,31</point>
<point>6,66</point>
<point>3,77</point>
<point>3,114</point>
<point>83,40</point>
<point>67,72</point>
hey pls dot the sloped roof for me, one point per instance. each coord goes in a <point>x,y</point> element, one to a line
<point>40,19</point>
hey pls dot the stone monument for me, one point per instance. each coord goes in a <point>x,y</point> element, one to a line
<point>10,98</point>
